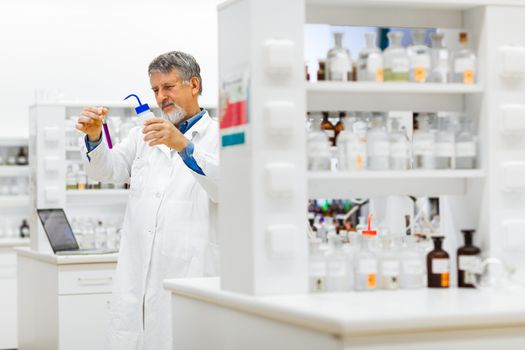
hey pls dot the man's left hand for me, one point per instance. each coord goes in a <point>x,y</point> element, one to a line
<point>160,131</point>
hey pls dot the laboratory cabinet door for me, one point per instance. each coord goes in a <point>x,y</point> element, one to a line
<point>83,321</point>
<point>8,305</point>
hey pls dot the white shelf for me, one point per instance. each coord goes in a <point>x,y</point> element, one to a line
<point>97,196</point>
<point>13,242</point>
<point>14,201</point>
<point>13,141</point>
<point>388,96</point>
<point>366,184</point>
<point>14,170</point>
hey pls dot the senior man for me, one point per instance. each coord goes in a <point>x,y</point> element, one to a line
<point>168,230</point>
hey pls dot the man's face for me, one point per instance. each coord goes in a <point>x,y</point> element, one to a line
<point>173,95</point>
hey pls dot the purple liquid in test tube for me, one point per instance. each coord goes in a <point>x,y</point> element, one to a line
<point>106,131</point>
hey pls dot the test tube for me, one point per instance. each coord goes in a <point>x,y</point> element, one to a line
<point>106,129</point>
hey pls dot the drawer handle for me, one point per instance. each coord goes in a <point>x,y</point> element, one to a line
<point>95,281</point>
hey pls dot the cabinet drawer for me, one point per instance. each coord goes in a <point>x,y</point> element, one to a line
<point>85,278</point>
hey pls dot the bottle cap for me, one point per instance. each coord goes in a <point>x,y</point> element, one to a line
<point>142,107</point>
<point>369,231</point>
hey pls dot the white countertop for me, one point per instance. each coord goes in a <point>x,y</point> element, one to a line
<point>67,259</point>
<point>360,313</point>
<point>13,242</point>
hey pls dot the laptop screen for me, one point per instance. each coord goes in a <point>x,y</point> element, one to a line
<point>57,229</point>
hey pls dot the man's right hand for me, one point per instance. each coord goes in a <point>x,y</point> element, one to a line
<point>90,122</point>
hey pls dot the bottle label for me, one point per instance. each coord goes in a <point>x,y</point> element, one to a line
<point>423,147</point>
<point>379,75</point>
<point>420,74</point>
<point>371,280</point>
<point>421,61</point>
<point>367,267</point>
<point>317,268</point>
<point>390,268</point>
<point>380,149</point>
<point>461,65</point>
<point>339,68</point>
<point>445,279</point>
<point>400,65</point>
<point>412,267</point>
<point>440,266</point>
<point>399,150</point>
<point>470,263</point>
<point>336,269</point>
<point>373,63</point>
<point>444,149</point>
<point>465,149</point>
<point>468,76</point>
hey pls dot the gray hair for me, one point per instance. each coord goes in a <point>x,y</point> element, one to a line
<point>184,63</point>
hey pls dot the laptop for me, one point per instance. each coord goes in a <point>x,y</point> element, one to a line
<point>61,236</point>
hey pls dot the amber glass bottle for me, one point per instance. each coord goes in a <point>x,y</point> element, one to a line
<point>438,265</point>
<point>340,125</point>
<point>468,261</point>
<point>328,127</point>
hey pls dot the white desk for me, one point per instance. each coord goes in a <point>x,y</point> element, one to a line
<point>419,319</point>
<point>8,295</point>
<point>63,300</point>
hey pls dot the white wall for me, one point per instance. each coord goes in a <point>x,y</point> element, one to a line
<point>96,50</point>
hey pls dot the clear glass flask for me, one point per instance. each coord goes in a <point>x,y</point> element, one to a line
<point>399,147</point>
<point>395,59</point>
<point>440,59</point>
<point>378,144</point>
<point>317,267</point>
<point>424,143</point>
<point>465,147</point>
<point>336,276</point>
<point>419,56</point>
<point>464,62</point>
<point>445,143</point>
<point>412,265</point>
<point>318,146</point>
<point>370,60</point>
<point>339,61</point>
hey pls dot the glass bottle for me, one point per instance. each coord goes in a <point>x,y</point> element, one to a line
<point>399,147</point>
<point>465,147</point>
<point>352,146</point>
<point>445,143</point>
<point>318,147</point>
<point>338,60</point>
<point>419,56</point>
<point>412,265</point>
<point>328,127</point>
<point>464,62</point>
<point>389,267</point>
<point>24,229</point>
<point>339,126</point>
<point>321,71</point>
<point>424,144</point>
<point>317,267</point>
<point>21,158</point>
<point>100,236</point>
<point>336,266</point>
<point>440,59</point>
<point>395,58</point>
<point>366,264</point>
<point>438,265</point>
<point>469,261</point>
<point>370,61</point>
<point>378,144</point>
<point>71,180</point>
<point>81,178</point>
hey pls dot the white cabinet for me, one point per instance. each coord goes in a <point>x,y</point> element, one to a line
<point>64,301</point>
<point>8,293</point>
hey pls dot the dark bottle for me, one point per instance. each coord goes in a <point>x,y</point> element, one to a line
<point>328,128</point>
<point>468,261</point>
<point>321,72</point>
<point>438,265</point>
<point>340,125</point>
<point>307,73</point>
<point>21,158</point>
<point>24,229</point>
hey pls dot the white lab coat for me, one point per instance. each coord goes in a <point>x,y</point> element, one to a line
<point>168,229</point>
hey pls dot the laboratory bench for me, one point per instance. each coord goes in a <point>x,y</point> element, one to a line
<point>63,301</point>
<point>8,294</point>
<point>402,319</point>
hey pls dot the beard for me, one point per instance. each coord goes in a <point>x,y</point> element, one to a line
<point>176,116</point>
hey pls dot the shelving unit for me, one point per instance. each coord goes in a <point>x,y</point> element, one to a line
<point>265,185</point>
